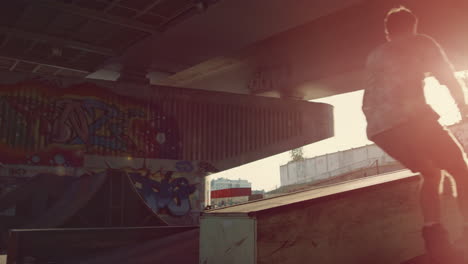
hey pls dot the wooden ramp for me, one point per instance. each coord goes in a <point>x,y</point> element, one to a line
<point>371,220</point>
<point>179,248</point>
<point>83,245</point>
<point>51,201</point>
<point>69,196</point>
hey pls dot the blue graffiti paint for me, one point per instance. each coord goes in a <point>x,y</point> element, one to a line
<point>184,166</point>
<point>114,120</point>
<point>172,194</point>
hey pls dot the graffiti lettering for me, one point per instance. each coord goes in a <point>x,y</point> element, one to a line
<point>206,167</point>
<point>88,121</point>
<point>184,166</point>
<point>168,193</point>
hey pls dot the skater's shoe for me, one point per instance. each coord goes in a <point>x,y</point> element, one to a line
<point>461,243</point>
<point>438,246</point>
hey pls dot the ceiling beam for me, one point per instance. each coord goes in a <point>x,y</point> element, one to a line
<point>45,62</point>
<point>111,5</point>
<point>148,8</point>
<point>95,15</point>
<point>37,68</point>
<point>59,41</point>
<point>14,65</point>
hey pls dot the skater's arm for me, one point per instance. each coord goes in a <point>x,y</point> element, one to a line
<point>444,71</point>
<point>446,76</point>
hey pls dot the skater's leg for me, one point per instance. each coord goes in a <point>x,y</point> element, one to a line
<point>436,237</point>
<point>429,196</point>
<point>452,158</point>
<point>460,174</point>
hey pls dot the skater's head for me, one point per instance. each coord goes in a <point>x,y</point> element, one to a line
<point>400,21</point>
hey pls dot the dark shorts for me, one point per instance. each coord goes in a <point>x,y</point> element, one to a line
<point>422,145</point>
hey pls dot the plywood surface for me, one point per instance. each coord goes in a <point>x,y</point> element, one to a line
<point>227,241</point>
<point>378,225</point>
<point>302,196</point>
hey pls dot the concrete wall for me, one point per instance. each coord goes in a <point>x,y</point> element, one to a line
<point>334,164</point>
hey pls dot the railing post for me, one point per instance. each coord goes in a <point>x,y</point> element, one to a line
<point>377,165</point>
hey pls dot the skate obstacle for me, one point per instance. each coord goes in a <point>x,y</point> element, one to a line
<point>371,220</point>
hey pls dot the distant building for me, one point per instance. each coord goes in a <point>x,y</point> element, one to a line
<point>360,162</point>
<point>223,183</point>
<point>225,192</point>
<point>257,195</point>
<point>258,192</point>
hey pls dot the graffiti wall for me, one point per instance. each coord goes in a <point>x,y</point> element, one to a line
<point>43,124</point>
<point>86,129</point>
<point>172,189</point>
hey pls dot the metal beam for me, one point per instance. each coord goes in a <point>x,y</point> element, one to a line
<point>96,15</point>
<point>77,57</point>
<point>57,71</point>
<point>148,8</point>
<point>111,5</point>
<point>174,19</point>
<point>65,42</point>
<point>37,68</point>
<point>45,62</point>
<point>14,65</point>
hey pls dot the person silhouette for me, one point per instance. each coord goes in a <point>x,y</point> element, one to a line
<point>400,121</point>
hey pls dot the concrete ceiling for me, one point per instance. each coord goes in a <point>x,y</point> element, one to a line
<point>229,26</point>
<point>325,56</point>
<point>221,30</point>
<point>299,48</point>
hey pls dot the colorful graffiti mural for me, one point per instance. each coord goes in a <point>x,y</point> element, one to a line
<point>43,124</point>
<point>172,195</point>
<point>174,191</point>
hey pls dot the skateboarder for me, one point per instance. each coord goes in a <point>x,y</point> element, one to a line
<point>401,122</point>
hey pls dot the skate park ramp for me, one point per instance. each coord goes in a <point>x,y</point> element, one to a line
<point>53,198</point>
<point>88,201</point>
<point>371,220</point>
<point>178,248</point>
<point>179,244</point>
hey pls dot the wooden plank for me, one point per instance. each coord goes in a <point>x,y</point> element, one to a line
<point>374,220</point>
<point>71,242</point>
<point>381,224</point>
<point>302,196</point>
<point>227,239</point>
<point>182,247</point>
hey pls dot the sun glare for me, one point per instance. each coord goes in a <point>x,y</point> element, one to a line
<point>439,98</point>
<point>350,132</point>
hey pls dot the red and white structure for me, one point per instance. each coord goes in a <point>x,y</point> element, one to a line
<point>225,192</point>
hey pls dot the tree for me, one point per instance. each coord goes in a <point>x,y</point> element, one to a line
<point>297,154</point>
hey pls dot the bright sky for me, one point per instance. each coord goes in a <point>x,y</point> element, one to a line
<point>350,125</point>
